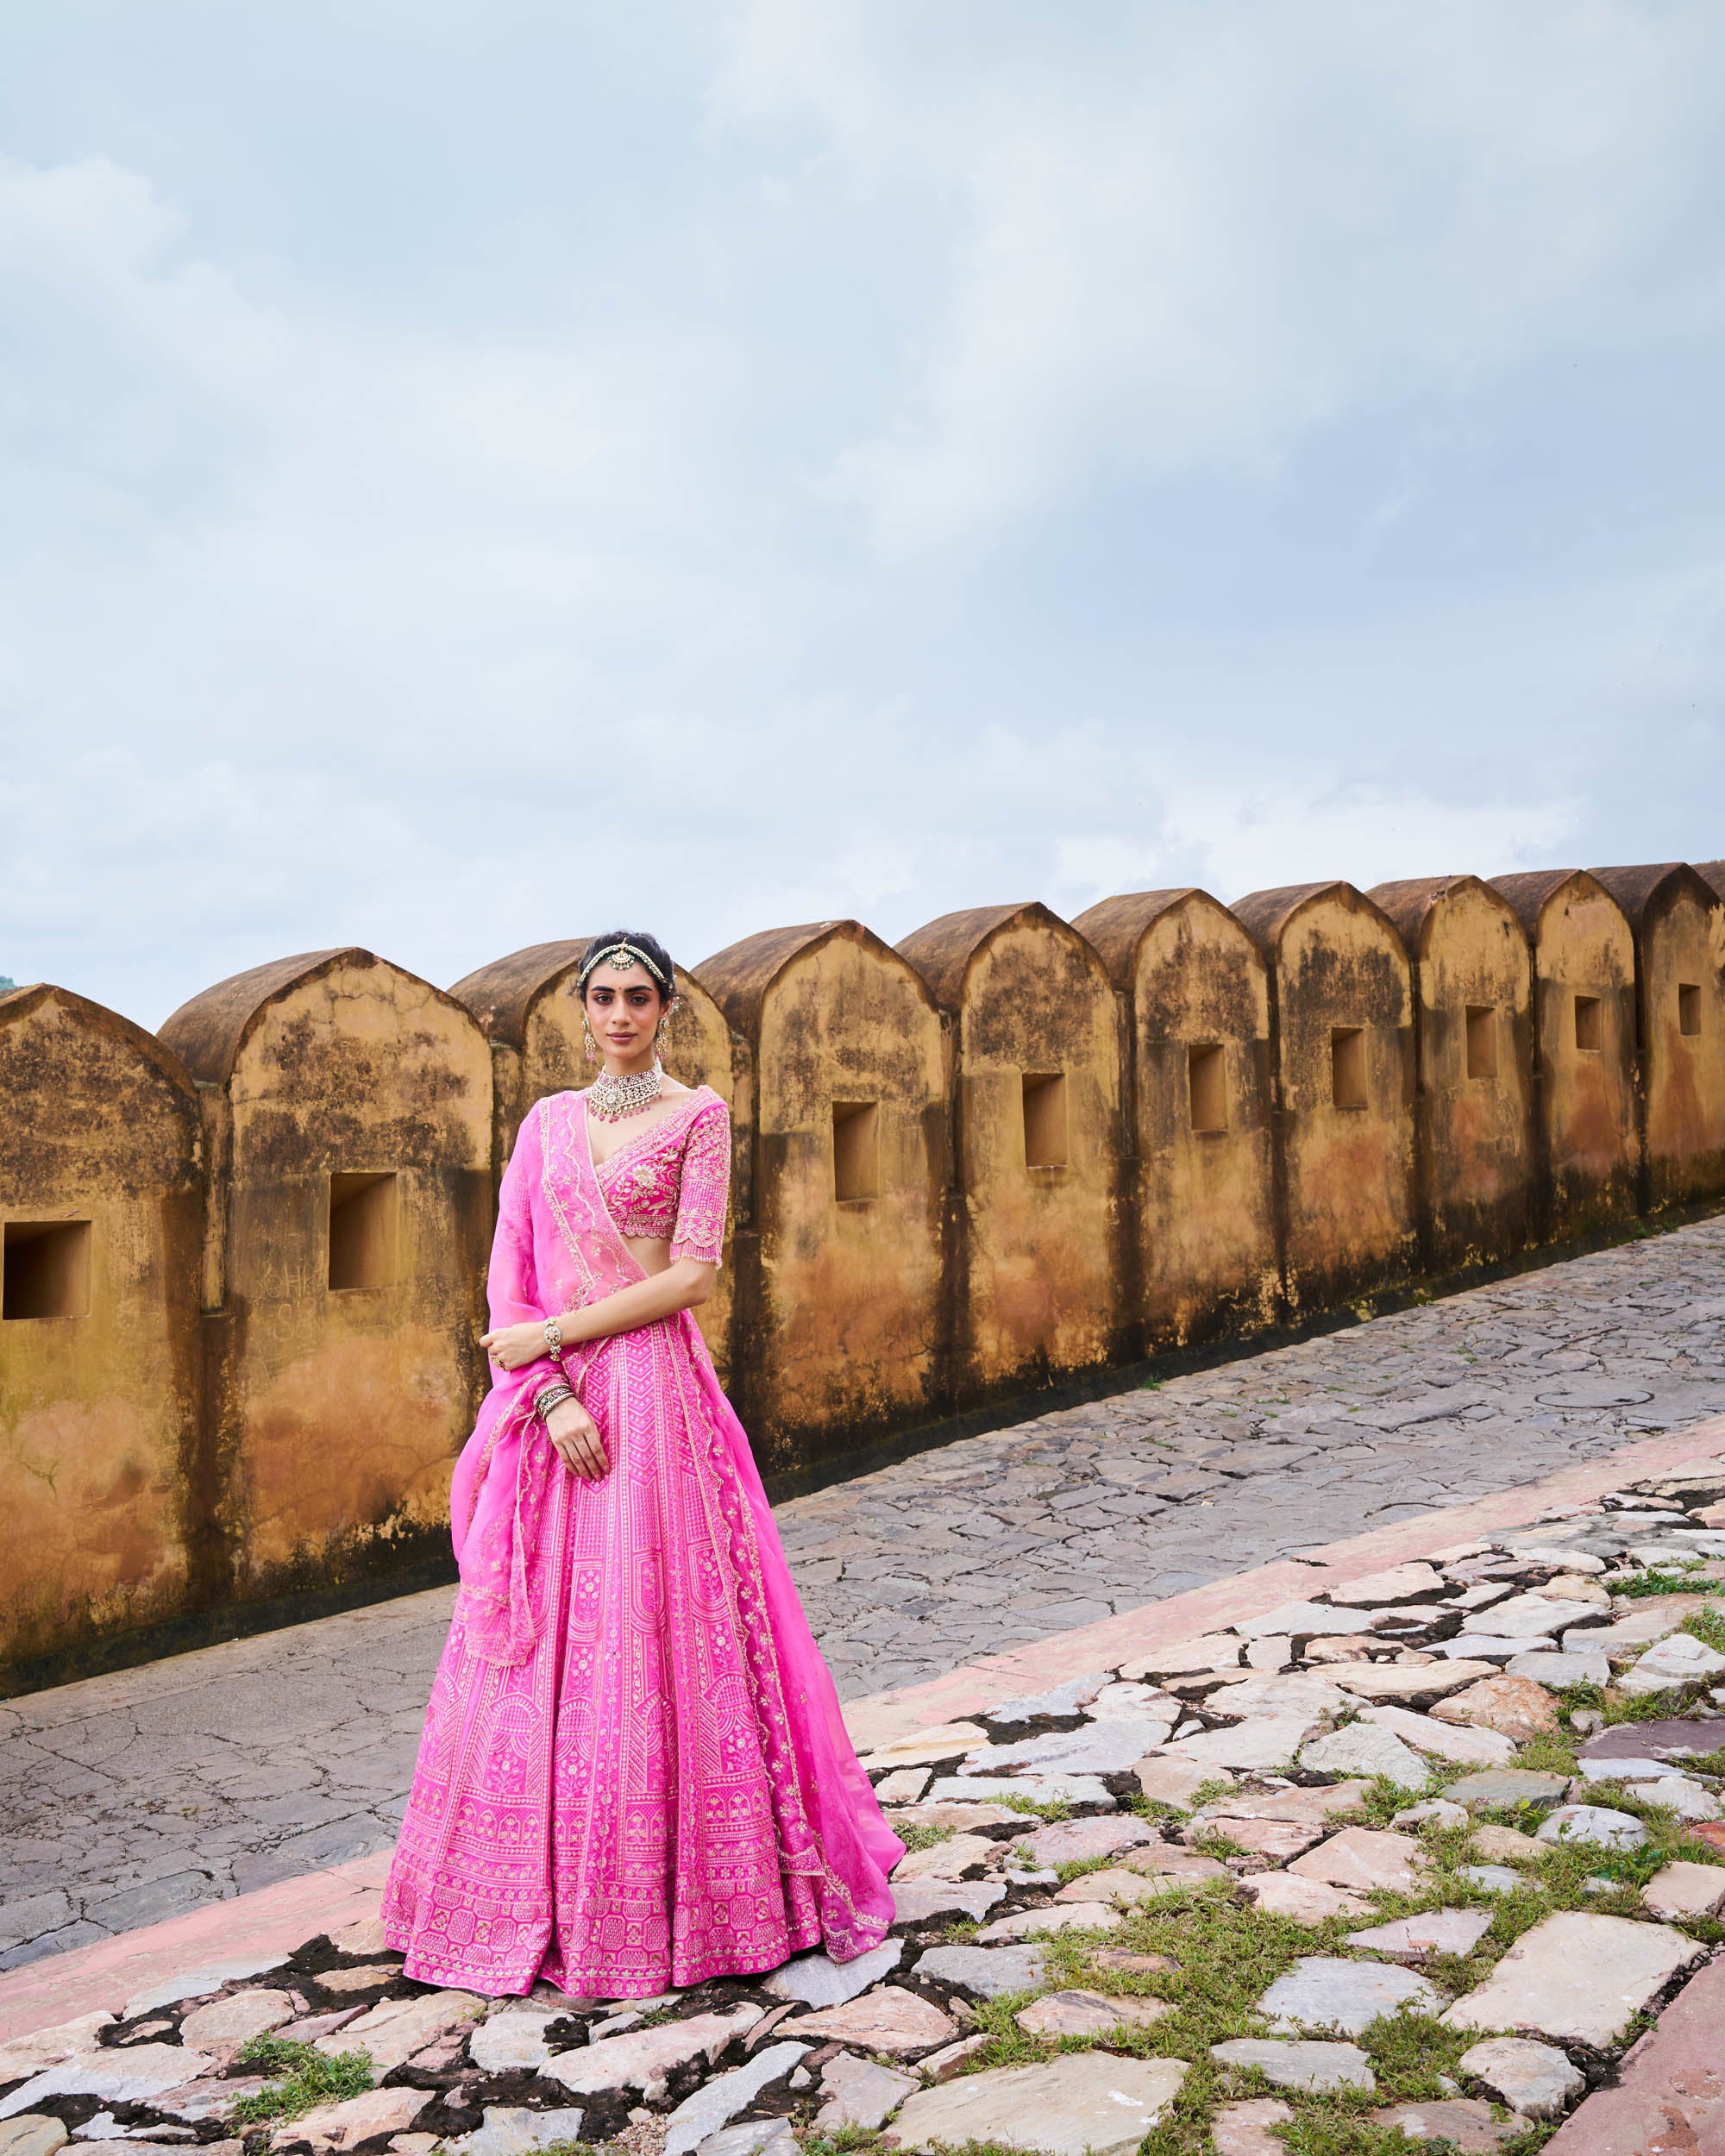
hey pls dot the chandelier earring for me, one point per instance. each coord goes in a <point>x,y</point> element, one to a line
<point>661,1032</point>
<point>591,1045</point>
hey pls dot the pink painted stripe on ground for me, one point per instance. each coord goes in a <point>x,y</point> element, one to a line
<point>278,1917</point>
<point>274,1921</point>
<point>1670,2096</point>
<point>1026,1670</point>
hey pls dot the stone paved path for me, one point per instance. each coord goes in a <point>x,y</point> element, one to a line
<point>128,1797</point>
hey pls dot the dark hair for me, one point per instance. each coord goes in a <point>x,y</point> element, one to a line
<point>658,960</point>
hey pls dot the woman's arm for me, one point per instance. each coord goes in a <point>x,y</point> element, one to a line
<point>684,1285</point>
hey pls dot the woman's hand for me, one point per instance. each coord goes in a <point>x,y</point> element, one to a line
<point>575,1435</point>
<point>512,1346</point>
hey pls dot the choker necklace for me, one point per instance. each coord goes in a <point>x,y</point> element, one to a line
<point>612,1098</point>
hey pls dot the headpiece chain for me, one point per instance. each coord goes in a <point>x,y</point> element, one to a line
<point>622,954</point>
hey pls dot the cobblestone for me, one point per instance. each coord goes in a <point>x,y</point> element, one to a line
<point>132,1796</point>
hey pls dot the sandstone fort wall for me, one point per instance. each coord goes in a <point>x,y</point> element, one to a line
<point>244,1260</point>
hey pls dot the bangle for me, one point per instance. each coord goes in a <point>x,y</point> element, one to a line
<point>552,1396</point>
<point>554,1338</point>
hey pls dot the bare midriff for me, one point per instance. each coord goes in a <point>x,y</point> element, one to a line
<point>652,1253</point>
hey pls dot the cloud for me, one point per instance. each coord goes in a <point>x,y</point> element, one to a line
<point>1195,238</point>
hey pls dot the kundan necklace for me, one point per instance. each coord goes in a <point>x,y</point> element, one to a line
<point>612,1098</point>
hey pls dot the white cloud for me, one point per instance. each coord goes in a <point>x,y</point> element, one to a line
<point>1237,224</point>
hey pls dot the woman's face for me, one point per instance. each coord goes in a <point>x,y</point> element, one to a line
<point>623,1009</point>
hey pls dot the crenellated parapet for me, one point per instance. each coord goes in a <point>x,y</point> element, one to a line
<point>244,1261</point>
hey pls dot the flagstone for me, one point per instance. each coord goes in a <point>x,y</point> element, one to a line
<point>1069,1916</point>
<point>1401,1684</point>
<point>965,1818</point>
<point>233,2020</point>
<point>1535,2080</point>
<point>817,1980</point>
<point>948,1859</point>
<point>920,1901</point>
<point>1277,1838</point>
<point>51,2046</point>
<point>1314,1807</point>
<point>1319,1992</point>
<point>1071,1840</point>
<point>718,2101</point>
<point>512,2036</point>
<point>1083,2103</point>
<point>1300,2065</point>
<point>1411,1583</point>
<point>1596,1824</point>
<point>1681,1659</point>
<point>1500,1788</point>
<point>1504,1843</point>
<point>133,2074</point>
<point>1443,1740</point>
<point>1574,1665</point>
<point>1069,1698</point>
<point>1577,1978</point>
<point>1158,1860</point>
<point>1301,1621</point>
<point>925,1747</point>
<point>1087,2013</point>
<point>1494,1878</point>
<point>1516,1707</point>
<point>509,2129</point>
<point>1459,2122</point>
<point>361,2118</point>
<point>951,2059</point>
<point>645,2059</point>
<point>890,2019</point>
<point>1436,1811</point>
<point>36,2134</point>
<point>1363,1749</point>
<point>986,1971</point>
<point>1215,1650</point>
<point>1538,1616</point>
<point>1243,2129</point>
<point>1683,1890</point>
<point>860,2092</point>
<point>1363,1859</point>
<point>1040,1789</point>
<point>904,1786</point>
<point>1116,1883</point>
<point>391,2032</point>
<point>1436,1932</point>
<point>1266,1744</point>
<point>1685,1738</point>
<point>1303,1900</point>
<point>1173,1781</point>
<point>1096,1747</point>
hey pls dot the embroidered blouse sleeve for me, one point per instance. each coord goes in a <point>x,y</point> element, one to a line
<point>705,1189</point>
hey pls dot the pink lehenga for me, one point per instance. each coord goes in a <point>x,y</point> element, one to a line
<point>634,1773</point>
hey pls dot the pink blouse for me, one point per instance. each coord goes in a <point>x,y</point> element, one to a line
<point>674,1178</point>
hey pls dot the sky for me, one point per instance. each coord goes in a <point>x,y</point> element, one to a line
<point>474,471</point>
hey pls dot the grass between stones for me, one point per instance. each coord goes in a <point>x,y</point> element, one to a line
<point>915,1838</point>
<point>310,2078</point>
<point>1644,1584</point>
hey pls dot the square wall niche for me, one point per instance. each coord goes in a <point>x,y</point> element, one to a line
<point>1044,1119</point>
<point>1689,1008</point>
<point>1588,1026</point>
<point>1206,1086</point>
<point>856,1150</point>
<point>1347,1067</point>
<point>46,1269</point>
<point>1482,1041</point>
<point>364,1229</point>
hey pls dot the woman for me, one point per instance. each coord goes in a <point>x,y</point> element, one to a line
<point>634,1773</point>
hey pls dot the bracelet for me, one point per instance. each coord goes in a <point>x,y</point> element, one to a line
<point>554,1338</point>
<point>552,1396</point>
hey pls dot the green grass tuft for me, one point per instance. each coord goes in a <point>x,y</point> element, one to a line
<point>310,2078</point>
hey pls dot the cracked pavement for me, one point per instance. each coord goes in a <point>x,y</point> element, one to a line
<point>128,1798</point>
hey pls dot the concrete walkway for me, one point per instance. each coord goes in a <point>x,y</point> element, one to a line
<point>128,1798</point>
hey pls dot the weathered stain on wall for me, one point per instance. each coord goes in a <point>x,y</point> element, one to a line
<point>1196,1035</point>
<point>1345,1087</point>
<point>1584,1035</point>
<point>844,1269</point>
<point>1034,1079</point>
<point>1476,1141</point>
<point>352,1104</point>
<point>1164,1123</point>
<point>102,1528</point>
<point>527,1006</point>
<point>1677,920</point>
